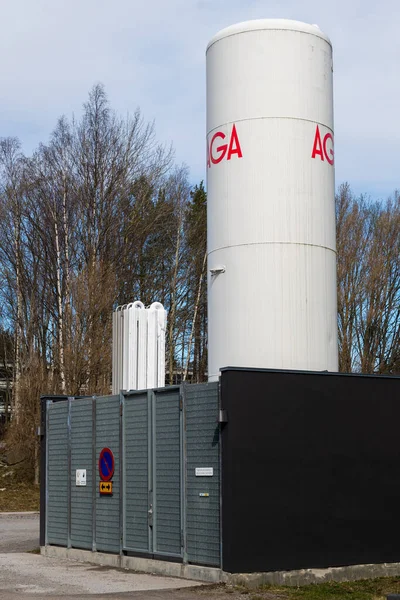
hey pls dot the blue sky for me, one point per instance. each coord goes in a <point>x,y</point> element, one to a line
<point>152,55</point>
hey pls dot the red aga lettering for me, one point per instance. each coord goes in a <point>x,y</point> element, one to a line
<point>323,148</point>
<point>217,153</point>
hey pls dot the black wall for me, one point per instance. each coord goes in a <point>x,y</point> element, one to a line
<point>310,470</point>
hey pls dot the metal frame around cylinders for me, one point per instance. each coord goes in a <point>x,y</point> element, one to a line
<point>158,553</point>
<point>152,474</point>
<point>150,489</point>
<point>94,474</point>
<point>182,400</point>
<point>121,469</point>
<point>46,491</point>
<point>69,462</point>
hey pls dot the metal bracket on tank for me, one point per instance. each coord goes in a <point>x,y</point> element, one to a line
<point>217,270</point>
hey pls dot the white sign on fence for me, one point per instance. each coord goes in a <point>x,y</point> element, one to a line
<point>204,471</point>
<point>81,477</point>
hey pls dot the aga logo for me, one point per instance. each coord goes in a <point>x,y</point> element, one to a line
<point>231,148</point>
<point>217,151</point>
<point>323,147</point>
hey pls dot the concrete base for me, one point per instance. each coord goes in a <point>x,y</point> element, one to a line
<point>213,575</point>
<point>144,565</point>
<point>19,515</point>
<point>307,576</point>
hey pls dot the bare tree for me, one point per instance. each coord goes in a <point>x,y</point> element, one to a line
<point>368,244</point>
<point>196,241</point>
<point>11,162</point>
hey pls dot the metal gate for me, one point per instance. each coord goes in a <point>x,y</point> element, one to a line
<point>152,472</point>
<point>57,488</point>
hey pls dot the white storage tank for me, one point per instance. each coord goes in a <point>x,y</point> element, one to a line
<point>271,210</point>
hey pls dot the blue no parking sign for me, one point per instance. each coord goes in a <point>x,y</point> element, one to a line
<point>106,464</point>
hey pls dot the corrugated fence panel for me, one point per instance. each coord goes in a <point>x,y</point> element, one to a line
<point>81,458</point>
<point>136,472</point>
<point>107,507</point>
<point>153,471</point>
<point>202,447</point>
<point>168,473</point>
<point>57,473</point>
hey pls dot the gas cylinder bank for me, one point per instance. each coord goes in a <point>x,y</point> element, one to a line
<point>271,210</point>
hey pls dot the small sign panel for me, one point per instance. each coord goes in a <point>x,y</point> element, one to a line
<point>105,487</point>
<point>106,464</point>
<point>204,471</point>
<point>81,477</point>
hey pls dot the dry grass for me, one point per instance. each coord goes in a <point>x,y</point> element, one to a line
<point>16,495</point>
<point>367,589</point>
<point>19,497</point>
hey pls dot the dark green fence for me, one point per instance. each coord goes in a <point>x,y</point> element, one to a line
<point>165,500</point>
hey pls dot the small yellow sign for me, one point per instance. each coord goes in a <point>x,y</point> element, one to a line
<point>105,487</point>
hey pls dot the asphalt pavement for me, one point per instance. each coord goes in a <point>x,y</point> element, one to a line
<point>24,574</point>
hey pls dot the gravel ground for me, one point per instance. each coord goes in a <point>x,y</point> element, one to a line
<point>19,532</point>
<point>198,593</point>
<point>25,575</point>
<point>43,576</point>
<point>32,576</point>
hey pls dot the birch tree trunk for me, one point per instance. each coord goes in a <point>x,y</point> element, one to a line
<point>60,312</point>
<point>172,315</point>
<point>196,309</point>
<point>18,324</point>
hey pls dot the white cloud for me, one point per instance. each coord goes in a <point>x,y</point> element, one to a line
<point>151,54</point>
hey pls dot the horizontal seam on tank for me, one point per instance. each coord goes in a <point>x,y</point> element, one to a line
<point>260,118</point>
<point>271,243</point>
<point>320,37</point>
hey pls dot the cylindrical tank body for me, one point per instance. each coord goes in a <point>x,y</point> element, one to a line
<point>271,210</point>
